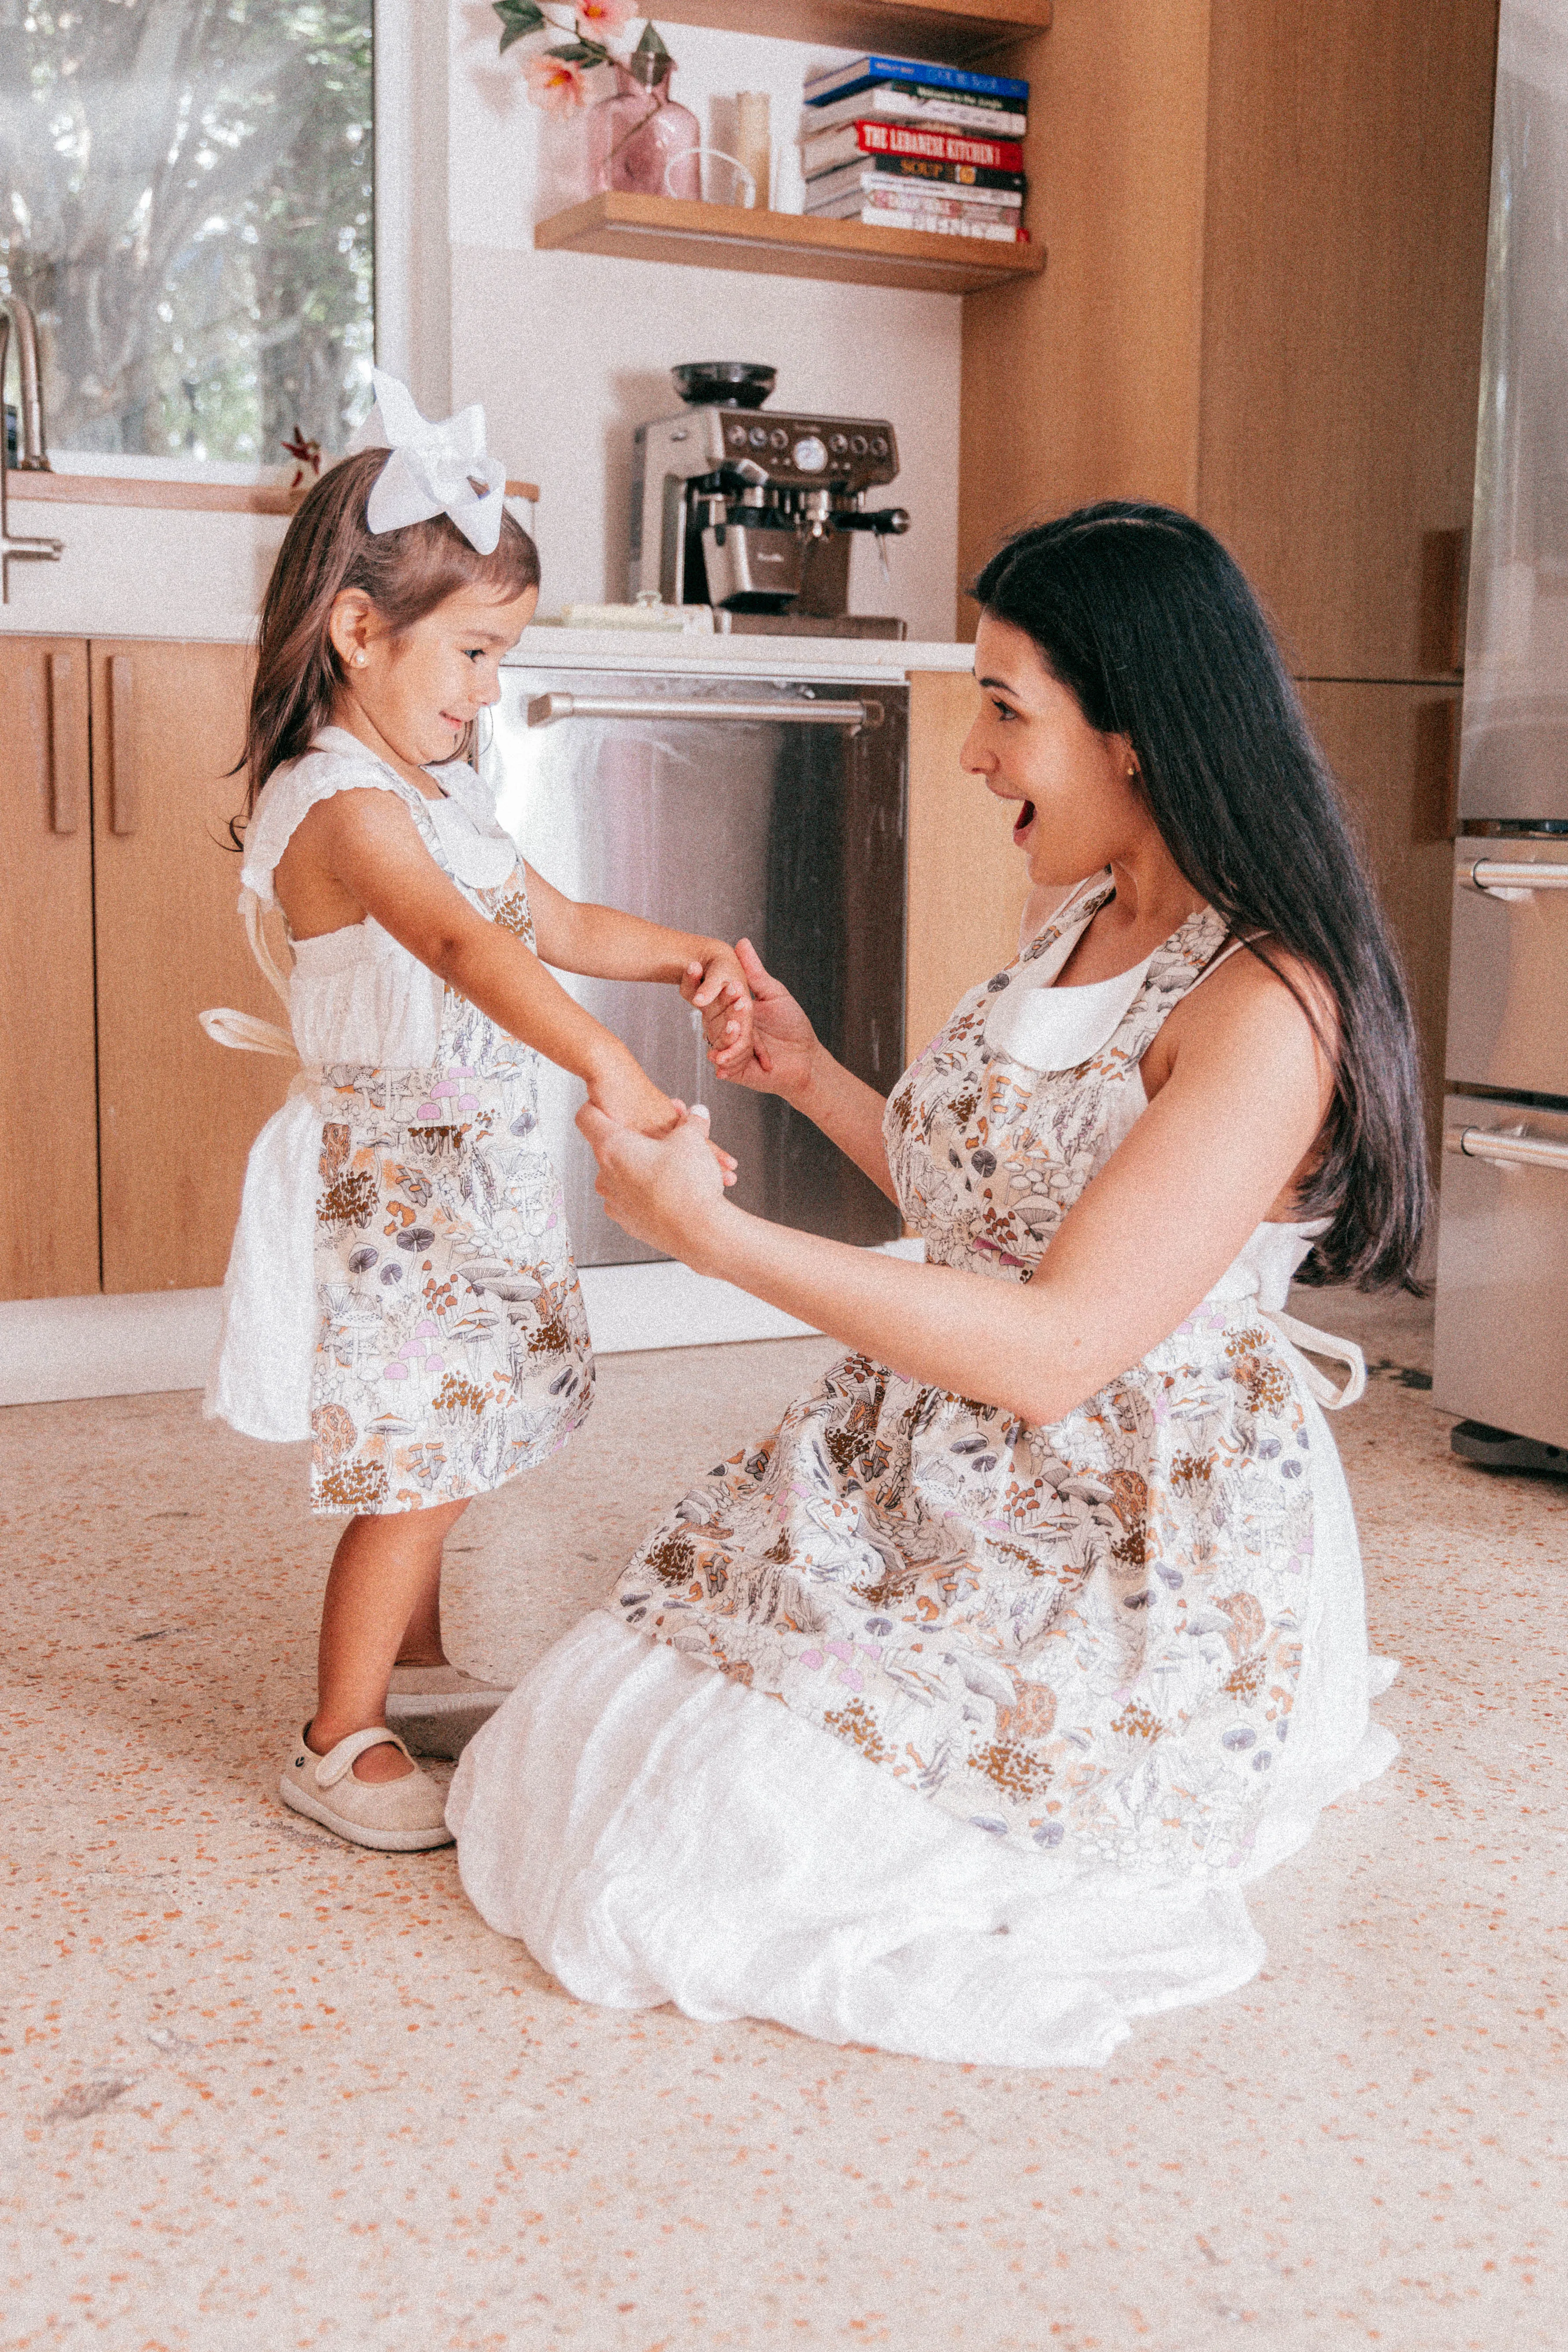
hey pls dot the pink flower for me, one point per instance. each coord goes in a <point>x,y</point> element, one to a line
<point>605,16</point>
<point>555,85</point>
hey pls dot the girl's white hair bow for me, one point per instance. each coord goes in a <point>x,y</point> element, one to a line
<point>432,469</point>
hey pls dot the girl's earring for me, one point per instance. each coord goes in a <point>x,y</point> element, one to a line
<point>361,659</point>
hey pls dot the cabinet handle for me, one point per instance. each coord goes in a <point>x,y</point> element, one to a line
<point>66,781</point>
<point>123,797</point>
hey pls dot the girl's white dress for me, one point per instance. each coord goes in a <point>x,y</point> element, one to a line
<point>401,1288</point>
<point>915,1726</point>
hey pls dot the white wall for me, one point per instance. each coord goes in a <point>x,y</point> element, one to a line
<point>569,351</point>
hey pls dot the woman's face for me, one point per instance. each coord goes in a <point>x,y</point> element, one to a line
<point>1081,807</point>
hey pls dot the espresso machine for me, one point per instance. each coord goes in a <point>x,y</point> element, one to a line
<point>754,514</point>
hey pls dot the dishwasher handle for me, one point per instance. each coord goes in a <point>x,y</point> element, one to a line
<point>1509,877</point>
<point>544,710</point>
<point>1508,1150</point>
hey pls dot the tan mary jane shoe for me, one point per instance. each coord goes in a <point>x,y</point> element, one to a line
<point>392,1816</point>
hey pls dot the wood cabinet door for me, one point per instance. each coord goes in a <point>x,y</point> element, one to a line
<point>1344,266</point>
<point>967,883</point>
<point>48,1129</point>
<point>178,1113</point>
<point>1396,749</point>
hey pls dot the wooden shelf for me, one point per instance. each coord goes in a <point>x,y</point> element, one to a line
<point>784,244</point>
<point>951,32</point>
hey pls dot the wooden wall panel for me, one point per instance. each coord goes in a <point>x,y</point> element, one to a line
<point>1348,171</point>
<point>967,883</point>
<point>48,1124</point>
<point>1394,749</point>
<point>179,1114</point>
<point>1083,383</point>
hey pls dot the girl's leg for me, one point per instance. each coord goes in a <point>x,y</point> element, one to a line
<point>382,1603</point>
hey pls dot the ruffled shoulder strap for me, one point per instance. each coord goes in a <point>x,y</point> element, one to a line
<point>336,763</point>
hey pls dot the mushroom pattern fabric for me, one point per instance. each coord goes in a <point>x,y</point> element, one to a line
<point>402,1288</point>
<point>1088,1633</point>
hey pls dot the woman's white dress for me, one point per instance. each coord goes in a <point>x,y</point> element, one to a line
<point>917,1726</point>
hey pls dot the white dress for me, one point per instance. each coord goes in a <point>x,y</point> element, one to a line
<point>401,1288</point>
<point>922,1729</point>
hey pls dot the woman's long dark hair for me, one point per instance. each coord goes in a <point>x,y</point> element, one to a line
<point>328,547</point>
<point>1142,613</point>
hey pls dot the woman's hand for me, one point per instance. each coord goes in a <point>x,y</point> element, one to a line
<point>623,1096</point>
<point>667,1190</point>
<point>779,1054</point>
<point>716,987</point>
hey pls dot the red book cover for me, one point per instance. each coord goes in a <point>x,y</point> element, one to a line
<point>884,137</point>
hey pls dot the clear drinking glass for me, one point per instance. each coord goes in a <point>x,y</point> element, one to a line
<point>635,136</point>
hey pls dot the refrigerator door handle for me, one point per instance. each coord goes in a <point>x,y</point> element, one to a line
<point>1507,1150</point>
<point>544,710</point>
<point>1498,877</point>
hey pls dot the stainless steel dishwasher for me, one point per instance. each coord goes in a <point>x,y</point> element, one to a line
<point>773,810</point>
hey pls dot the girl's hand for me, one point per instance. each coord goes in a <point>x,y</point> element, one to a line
<point>716,987</point>
<point>779,1054</point>
<point>666,1189</point>
<point>625,1097</point>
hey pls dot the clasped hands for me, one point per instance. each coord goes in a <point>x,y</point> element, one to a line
<point>668,1188</point>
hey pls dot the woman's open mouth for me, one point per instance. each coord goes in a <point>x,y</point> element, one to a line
<point>1024,820</point>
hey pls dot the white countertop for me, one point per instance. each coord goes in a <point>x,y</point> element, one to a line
<point>166,573</point>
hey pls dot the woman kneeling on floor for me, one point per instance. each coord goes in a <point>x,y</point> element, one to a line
<point>955,1714</point>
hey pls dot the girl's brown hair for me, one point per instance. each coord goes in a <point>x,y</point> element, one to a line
<point>329,547</point>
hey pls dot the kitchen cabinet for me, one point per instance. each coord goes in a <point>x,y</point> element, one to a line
<point>177,1114</point>
<point>966,883</point>
<point>125,1153</point>
<point>1266,228</point>
<point>1396,750</point>
<point>48,1133</point>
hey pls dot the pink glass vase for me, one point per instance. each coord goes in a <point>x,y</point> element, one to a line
<point>635,136</point>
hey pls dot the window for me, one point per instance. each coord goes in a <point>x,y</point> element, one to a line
<point>187,202</point>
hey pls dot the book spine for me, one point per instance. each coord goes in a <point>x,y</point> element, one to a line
<point>855,141</point>
<point>940,208</point>
<point>908,106</point>
<point>942,146</point>
<point>867,71</point>
<point>874,216</point>
<point>891,186</point>
<point>917,168</point>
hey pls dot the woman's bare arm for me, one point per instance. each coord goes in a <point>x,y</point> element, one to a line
<point>1244,1101</point>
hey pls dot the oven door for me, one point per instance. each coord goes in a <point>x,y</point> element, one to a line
<point>1502,1268</point>
<point>1508,991</point>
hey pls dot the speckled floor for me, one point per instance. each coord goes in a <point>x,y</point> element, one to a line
<point>262,2092</point>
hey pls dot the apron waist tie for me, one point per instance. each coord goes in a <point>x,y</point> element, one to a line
<point>1295,1336</point>
<point>242,1032</point>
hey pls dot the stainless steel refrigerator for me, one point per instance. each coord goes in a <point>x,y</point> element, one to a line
<point>1502,1260</point>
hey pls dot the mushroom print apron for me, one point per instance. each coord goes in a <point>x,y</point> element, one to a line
<point>1085,1635</point>
<point>454,1347</point>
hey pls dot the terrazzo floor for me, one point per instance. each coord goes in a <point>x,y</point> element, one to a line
<point>263,2092</point>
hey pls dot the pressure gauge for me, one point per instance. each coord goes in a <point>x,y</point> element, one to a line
<point>810,455</point>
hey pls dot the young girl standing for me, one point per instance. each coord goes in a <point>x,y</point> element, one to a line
<point>401,1288</point>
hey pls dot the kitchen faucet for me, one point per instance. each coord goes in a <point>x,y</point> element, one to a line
<point>33,456</point>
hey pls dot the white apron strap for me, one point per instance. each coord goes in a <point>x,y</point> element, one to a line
<point>1296,1336</point>
<point>242,1031</point>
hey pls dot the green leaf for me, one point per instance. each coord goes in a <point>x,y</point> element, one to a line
<point>650,44</point>
<point>519,18</point>
<point>579,53</point>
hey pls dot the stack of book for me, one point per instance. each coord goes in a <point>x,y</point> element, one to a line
<point>904,145</point>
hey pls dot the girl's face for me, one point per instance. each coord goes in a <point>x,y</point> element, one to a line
<point>1079,806</point>
<point>421,690</point>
